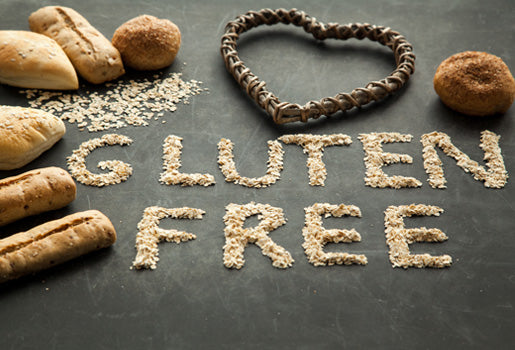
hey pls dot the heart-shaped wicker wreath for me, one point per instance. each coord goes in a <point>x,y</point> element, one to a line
<point>285,112</point>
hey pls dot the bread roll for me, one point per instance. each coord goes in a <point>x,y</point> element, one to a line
<point>31,60</point>
<point>475,83</point>
<point>147,42</point>
<point>25,133</point>
<point>92,54</point>
<point>53,243</point>
<point>35,192</point>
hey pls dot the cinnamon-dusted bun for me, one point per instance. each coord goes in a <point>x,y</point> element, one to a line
<point>147,42</point>
<point>475,83</point>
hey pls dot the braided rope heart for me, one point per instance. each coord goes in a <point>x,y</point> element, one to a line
<point>285,112</point>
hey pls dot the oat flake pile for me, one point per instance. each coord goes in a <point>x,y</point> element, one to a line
<point>125,103</point>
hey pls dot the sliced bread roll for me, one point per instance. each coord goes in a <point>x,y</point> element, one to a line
<point>32,60</point>
<point>25,133</point>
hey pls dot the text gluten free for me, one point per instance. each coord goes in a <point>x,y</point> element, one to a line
<point>398,238</point>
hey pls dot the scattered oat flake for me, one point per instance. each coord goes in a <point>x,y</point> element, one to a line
<point>126,103</point>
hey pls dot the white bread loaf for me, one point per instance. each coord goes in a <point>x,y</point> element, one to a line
<point>32,60</point>
<point>91,53</point>
<point>25,133</point>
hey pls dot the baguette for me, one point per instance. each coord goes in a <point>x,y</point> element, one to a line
<point>53,243</point>
<point>91,53</point>
<point>32,60</point>
<point>35,192</point>
<point>25,133</point>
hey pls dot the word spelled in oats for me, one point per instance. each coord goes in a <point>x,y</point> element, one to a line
<point>150,234</point>
<point>496,175</point>
<point>376,158</point>
<point>123,103</point>
<point>228,167</point>
<point>237,237</point>
<point>119,171</point>
<point>398,237</point>
<point>316,236</point>
<point>172,162</point>
<point>314,145</point>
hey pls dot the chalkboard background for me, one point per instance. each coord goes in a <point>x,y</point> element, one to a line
<point>191,301</point>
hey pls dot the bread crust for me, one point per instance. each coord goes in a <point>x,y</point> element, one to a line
<point>475,83</point>
<point>25,133</point>
<point>32,60</point>
<point>53,243</point>
<point>35,192</point>
<point>91,53</point>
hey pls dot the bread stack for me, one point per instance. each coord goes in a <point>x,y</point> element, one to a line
<point>63,43</point>
<point>61,46</point>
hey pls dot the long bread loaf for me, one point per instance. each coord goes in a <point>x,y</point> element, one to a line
<point>53,243</point>
<point>34,192</point>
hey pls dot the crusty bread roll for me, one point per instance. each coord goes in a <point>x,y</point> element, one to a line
<point>147,42</point>
<point>35,192</point>
<point>91,53</point>
<point>25,133</point>
<point>32,60</point>
<point>53,243</point>
<point>475,83</point>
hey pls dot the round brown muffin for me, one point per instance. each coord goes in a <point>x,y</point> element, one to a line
<point>475,83</point>
<point>147,42</point>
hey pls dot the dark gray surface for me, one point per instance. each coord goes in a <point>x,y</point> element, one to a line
<point>191,301</point>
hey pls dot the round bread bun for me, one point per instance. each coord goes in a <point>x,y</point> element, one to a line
<point>147,42</point>
<point>475,83</point>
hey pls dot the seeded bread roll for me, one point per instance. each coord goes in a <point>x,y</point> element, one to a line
<point>91,53</point>
<point>35,192</point>
<point>25,133</point>
<point>53,243</point>
<point>32,60</point>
